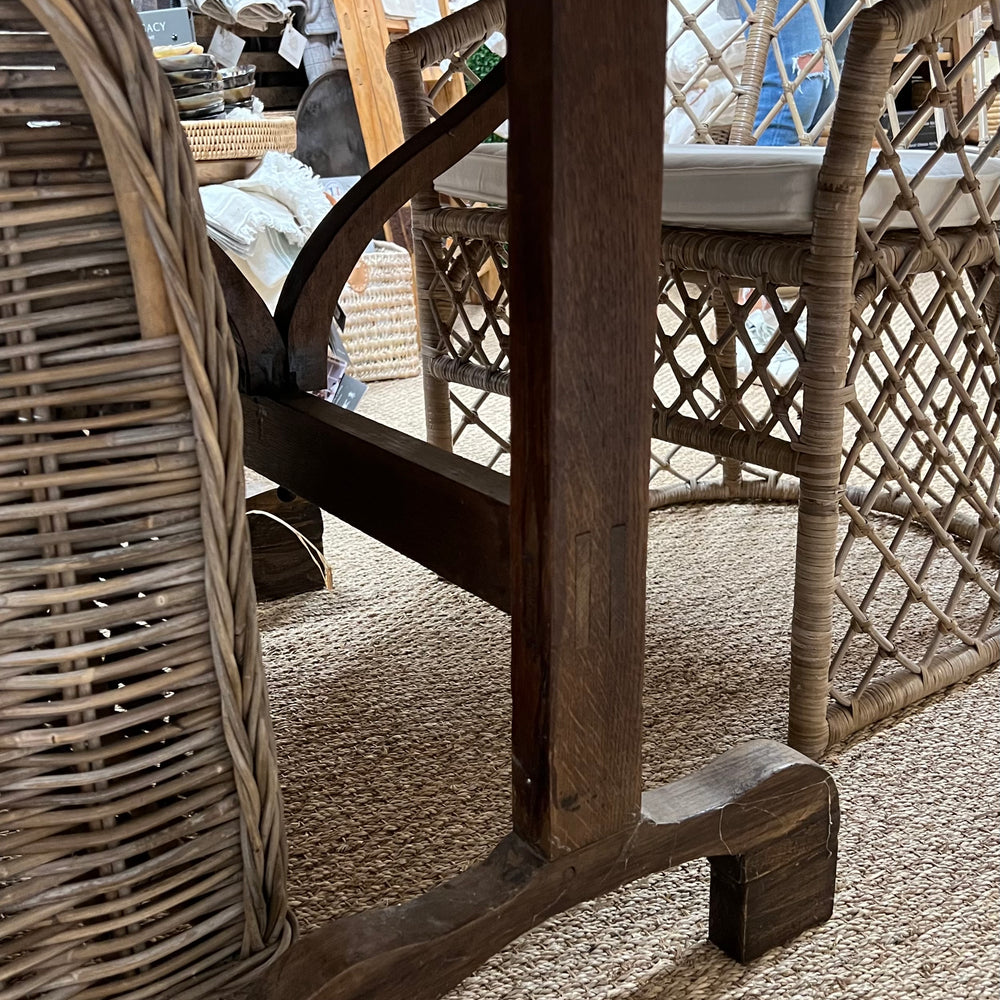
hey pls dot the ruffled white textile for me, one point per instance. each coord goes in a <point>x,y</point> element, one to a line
<point>263,221</point>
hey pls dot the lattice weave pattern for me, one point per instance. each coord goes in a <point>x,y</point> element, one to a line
<point>915,571</point>
<point>923,414</point>
<point>714,64</point>
<point>143,841</point>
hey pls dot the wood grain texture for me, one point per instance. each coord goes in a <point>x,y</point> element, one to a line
<point>455,518</point>
<point>769,895</point>
<point>747,800</point>
<point>220,171</point>
<point>365,36</point>
<point>313,286</point>
<point>282,566</point>
<point>584,159</point>
<point>260,348</point>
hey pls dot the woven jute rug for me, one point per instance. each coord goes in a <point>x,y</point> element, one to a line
<point>390,695</point>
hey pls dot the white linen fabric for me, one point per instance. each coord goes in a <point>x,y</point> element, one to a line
<point>256,14</point>
<point>263,221</point>
<point>762,189</point>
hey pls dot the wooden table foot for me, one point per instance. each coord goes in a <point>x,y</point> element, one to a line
<point>770,895</point>
<point>282,566</point>
<point>764,810</point>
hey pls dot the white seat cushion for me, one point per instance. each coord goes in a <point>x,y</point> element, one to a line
<point>762,189</point>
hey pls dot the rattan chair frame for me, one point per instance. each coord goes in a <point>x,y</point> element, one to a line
<point>764,441</point>
<point>450,42</point>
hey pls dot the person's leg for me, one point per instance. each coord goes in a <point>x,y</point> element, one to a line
<point>798,40</point>
<point>835,12</point>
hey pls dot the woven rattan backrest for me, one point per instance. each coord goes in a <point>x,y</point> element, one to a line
<point>143,843</point>
<point>450,43</point>
<point>807,52</point>
<point>807,49</point>
<point>959,137</point>
<point>715,60</point>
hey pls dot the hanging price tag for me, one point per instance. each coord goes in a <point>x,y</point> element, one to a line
<point>293,45</point>
<point>226,47</point>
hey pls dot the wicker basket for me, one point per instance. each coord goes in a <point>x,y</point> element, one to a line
<point>381,333</point>
<point>143,850</point>
<point>225,139</point>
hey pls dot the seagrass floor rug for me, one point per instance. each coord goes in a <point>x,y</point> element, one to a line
<point>391,704</point>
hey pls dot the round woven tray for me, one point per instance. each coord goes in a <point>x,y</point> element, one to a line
<point>223,139</point>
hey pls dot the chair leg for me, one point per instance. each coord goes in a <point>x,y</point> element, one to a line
<point>732,468</point>
<point>437,410</point>
<point>432,301</point>
<point>829,297</point>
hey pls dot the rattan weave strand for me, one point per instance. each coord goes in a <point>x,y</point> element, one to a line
<point>245,139</point>
<point>380,335</point>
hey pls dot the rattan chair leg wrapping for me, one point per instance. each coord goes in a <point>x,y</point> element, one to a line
<point>144,853</point>
<point>457,36</point>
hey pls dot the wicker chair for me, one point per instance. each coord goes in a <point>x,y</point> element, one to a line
<point>143,844</point>
<point>873,398</point>
<point>455,243</point>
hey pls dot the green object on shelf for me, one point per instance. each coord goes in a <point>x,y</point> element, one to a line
<point>482,62</point>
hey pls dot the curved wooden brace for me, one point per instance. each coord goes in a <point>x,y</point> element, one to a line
<point>260,348</point>
<point>322,268</point>
<point>765,816</point>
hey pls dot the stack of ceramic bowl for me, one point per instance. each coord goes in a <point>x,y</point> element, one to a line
<point>194,79</point>
<point>237,86</point>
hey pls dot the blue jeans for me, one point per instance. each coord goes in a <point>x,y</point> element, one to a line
<point>797,39</point>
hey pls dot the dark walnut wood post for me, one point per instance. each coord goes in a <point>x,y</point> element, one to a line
<point>585,97</point>
<point>584,180</point>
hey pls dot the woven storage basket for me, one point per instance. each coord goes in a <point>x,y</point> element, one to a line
<point>381,333</point>
<point>247,139</point>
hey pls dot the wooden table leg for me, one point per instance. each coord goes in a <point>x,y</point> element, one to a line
<point>769,810</point>
<point>584,181</point>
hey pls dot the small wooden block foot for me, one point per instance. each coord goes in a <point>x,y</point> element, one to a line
<point>281,565</point>
<point>770,895</point>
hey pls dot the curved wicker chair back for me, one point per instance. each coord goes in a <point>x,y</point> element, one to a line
<point>143,842</point>
<point>825,33</point>
<point>716,54</point>
<point>714,65</point>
